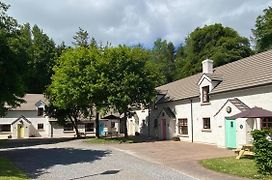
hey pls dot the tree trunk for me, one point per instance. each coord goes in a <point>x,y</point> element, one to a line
<point>97,125</point>
<point>125,121</point>
<point>76,128</point>
<point>75,123</point>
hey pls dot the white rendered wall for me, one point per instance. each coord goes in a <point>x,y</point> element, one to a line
<point>258,96</point>
<point>142,127</point>
<point>30,130</point>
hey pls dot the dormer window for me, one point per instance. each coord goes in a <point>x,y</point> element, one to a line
<point>205,94</point>
<point>40,111</point>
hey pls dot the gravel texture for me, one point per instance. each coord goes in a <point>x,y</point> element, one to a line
<point>74,160</point>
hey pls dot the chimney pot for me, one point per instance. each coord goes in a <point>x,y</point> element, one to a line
<point>207,66</point>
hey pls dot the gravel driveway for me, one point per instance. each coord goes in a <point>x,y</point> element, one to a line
<point>72,160</point>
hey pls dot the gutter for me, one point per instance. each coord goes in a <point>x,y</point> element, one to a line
<point>192,122</point>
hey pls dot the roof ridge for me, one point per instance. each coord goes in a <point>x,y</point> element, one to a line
<point>247,72</point>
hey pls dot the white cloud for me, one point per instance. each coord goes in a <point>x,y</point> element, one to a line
<point>131,22</point>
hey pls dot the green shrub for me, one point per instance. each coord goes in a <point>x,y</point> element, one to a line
<point>263,150</point>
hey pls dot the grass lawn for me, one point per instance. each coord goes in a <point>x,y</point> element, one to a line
<point>230,165</point>
<point>117,140</point>
<point>8,171</point>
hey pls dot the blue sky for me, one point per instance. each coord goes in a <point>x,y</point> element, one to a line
<point>135,21</point>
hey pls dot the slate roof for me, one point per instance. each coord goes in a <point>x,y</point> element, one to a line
<point>237,103</point>
<point>13,120</point>
<point>255,112</point>
<point>181,89</point>
<point>169,112</point>
<point>248,72</point>
<point>31,100</point>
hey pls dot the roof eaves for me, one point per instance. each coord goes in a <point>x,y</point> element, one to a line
<point>180,99</point>
<point>241,88</point>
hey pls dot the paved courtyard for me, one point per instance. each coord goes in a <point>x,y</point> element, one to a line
<point>182,156</point>
<point>72,159</point>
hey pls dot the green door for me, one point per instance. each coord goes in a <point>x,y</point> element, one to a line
<point>231,133</point>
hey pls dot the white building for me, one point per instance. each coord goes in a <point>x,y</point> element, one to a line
<point>29,120</point>
<point>197,108</point>
<point>138,123</point>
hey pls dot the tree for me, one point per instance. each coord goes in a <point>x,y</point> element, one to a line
<point>61,48</point>
<point>263,31</point>
<point>221,44</point>
<point>12,62</point>
<point>163,55</point>
<point>42,55</point>
<point>81,39</point>
<point>128,80</point>
<point>75,86</point>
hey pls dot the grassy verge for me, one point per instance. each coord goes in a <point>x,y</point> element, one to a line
<point>230,165</point>
<point>8,171</point>
<point>107,140</point>
<point>118,140</point>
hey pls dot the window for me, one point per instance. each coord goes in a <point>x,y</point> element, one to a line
<point>40,126</point>
<point>266,123</point>
<point>40,111</point>
<point>183,126</point>
<point>205,94</point>
<point>155,123</point>
<point>206,123</point>
<point>5,128</point>
<point>68,127</point>
<point>89,127</point>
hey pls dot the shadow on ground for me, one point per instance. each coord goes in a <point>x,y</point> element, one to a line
<point>9,171</point>
<point>141,139</point>
<point>14,143</point>
<point>108,172</point>
<point>36,161</point>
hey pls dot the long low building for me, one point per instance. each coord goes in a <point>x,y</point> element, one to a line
<point>202,107</point>
<point>29,121</point>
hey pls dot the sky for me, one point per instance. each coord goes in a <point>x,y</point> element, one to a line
<point>135,21</point>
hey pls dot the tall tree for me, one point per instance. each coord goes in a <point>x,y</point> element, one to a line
<point>41,57</point>
<point>81,38</point>
<point>163,55</point>
<point>75,86</point>
<point>263,31</point>
<point>44,55</point>
<point>12,61</point>
<point>128,80</point>
<point>61,48</point>
<point>221,44</point>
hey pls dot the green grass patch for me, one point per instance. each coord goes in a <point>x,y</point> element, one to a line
<point>118,140</point>
<point>242,167</point>
<point>108,140</point>
<point>8,171</point>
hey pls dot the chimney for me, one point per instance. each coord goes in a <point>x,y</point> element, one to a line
<point>207,66</point>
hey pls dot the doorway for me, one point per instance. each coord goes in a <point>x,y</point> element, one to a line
<point>101,128</point>
<point>230,133</point>
<point>21,132</point>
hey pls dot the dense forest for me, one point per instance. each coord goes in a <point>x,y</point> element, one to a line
<point>28,56</point>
